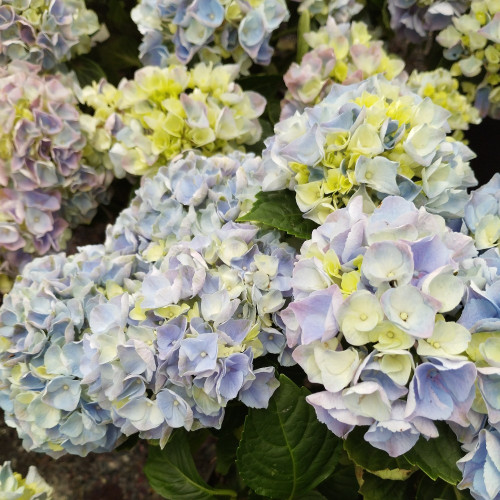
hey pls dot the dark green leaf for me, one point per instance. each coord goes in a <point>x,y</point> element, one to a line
<point>227,444</point>
<point>342,484</point>
<point>431,490</point>
<point>438,457</point>
<point>87,70</point>
<point>375,488</point>
<point>376,461</point>
<point>278,209</point>
<point>266,85</point>
<point>312,495</point>
<point>285,451</point>
<point>129,443</point>
<point>171,472</point>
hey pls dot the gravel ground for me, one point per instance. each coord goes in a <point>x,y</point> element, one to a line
<point>113,476</point>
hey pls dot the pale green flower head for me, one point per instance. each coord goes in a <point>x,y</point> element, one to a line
<point>15,487</point>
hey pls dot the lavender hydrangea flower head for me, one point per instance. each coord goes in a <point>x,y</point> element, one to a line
<point>14,486</point>
<point>416,19</point>
<point>141,125</point>
<point>211,28</point>
<point>47,32</point>
<point>374,138</point>
<point>341,53</point>
<point>376,297</point>
<point>45,185</point>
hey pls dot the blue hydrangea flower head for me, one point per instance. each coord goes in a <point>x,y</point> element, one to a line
<point>212,29</point>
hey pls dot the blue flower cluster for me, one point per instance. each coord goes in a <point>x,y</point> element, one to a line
<point>213,28</point>
<point>482,214</point>
<point>389,312</point>
<point>46,32</point>
<point>416,19</point>
<point>158,328</point>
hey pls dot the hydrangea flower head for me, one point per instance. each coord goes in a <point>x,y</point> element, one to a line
<point>444,90</point>
<point>376,297</point>
<point>13,486</point>
<point>374,138</point>
<point>482,214</point>
<point>480,467</point>
<point>45,184</point>
<point>146,121</point>
<point>46,32</point>
<point>341,10</point>
<point>341,53</point>
<point>472,41</point>
<point>213,28</point>
<point>156,329</point>
<point>415,20</point>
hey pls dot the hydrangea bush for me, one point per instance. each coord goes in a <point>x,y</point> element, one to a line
<point>46,32</point>
<point>217,29</point>
<point>312,312</point>
<point>141,124</point>
<point>13,486</point>
<point>373,137</point>
<point>46,185</point>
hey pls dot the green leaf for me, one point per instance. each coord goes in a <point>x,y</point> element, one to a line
<point>431,490</point>
<point>285,451</point>
<point>312,495</point>
<point>375,488</point>
<point>438,457</point>
<point>278,209</point>
<point>171,472</point>
<point>266,85</point>
<point>376,461</point>
<point>87,70</point>
<point>342,483</point>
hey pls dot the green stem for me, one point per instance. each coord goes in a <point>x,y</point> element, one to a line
<point>225,493</point>
<point>304,27</point>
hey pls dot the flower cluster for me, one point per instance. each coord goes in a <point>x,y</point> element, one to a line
<point>158,328</point>
<point>444,91</point>
<point>216,29</point>
<point>46,32</point>
<point>416,19</point>
<point>342,53</point>
<point>44,187</point>
<point>375,138</point>
<point>14,487</point>
<point>482,214</point>
<point>146,121</point>
<point>473,41</point>
<point>341,10</point>
<point>480,466</point>
<point>382,315</point>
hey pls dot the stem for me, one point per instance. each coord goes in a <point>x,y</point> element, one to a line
<point>304,27</point>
